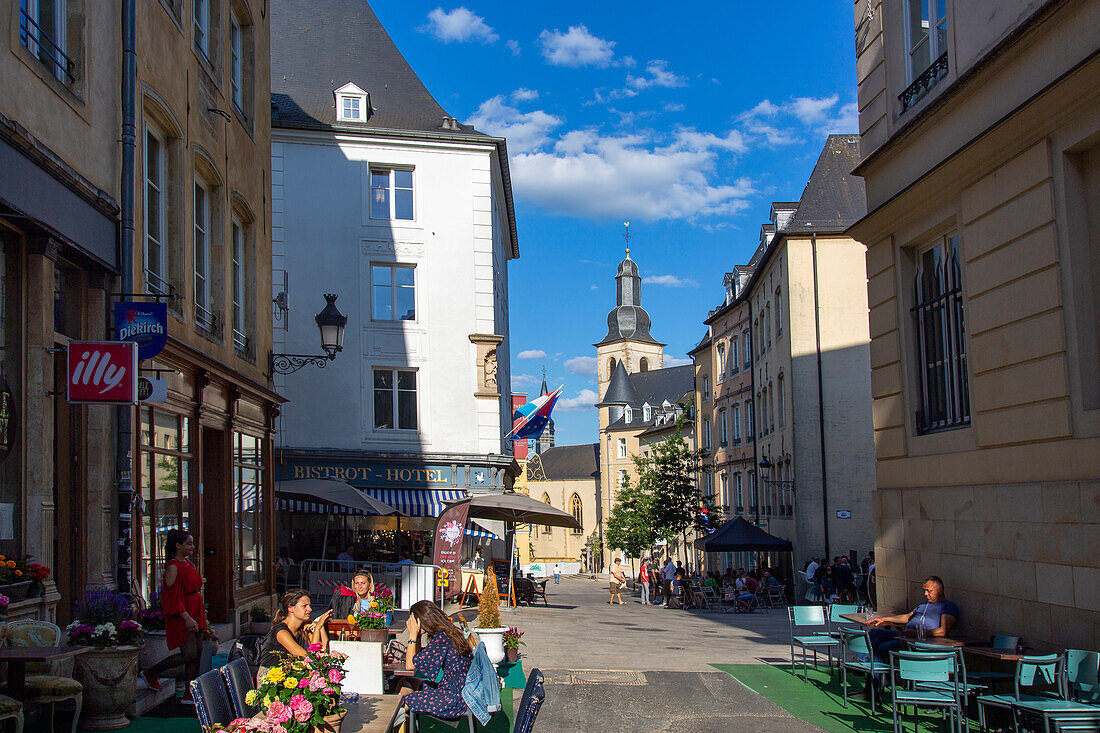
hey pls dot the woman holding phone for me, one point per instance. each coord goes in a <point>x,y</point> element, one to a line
<point>292,631</point>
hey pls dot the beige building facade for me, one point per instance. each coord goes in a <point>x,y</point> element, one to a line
<point>566,477</point>
<point>981,156</point>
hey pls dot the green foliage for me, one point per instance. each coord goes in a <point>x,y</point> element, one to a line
<point>668,475</point>
<point>631,524</point>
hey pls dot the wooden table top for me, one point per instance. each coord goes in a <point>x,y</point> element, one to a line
<point>341,624</point>
<point>39,653</point>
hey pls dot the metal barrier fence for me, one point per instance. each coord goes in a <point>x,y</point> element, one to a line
<point>410,583</point>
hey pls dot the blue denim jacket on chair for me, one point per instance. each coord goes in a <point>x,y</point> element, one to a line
<point>482,689</point>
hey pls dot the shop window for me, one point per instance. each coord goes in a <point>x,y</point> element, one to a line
<point>248,501</point>
<point>165,484</point>
<point>11,351</point>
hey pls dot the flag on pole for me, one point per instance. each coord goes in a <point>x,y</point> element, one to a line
<point>531,419</point>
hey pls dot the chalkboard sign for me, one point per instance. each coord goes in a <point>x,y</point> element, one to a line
<point>500,569</point>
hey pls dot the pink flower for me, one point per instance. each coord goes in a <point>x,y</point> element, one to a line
<point>304,682</point>
<point>296,701</point>
<point>316,682</point>
<point>329,691</point>
<point>313,648</point>
<point>304,711</point>
<point>277,712</point>
<point>334,676</point>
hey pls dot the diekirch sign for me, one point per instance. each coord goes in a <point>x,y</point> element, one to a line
<point>103,372</point>
<point>450,530</point>
<point>146,324</point>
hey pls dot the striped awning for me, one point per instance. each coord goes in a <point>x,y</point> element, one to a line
<point>314,507</point>
<point>417,502</point>
<point>473,529</point>
<point>246,496</point>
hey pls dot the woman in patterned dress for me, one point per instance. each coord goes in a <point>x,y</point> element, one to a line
<point>184,613</point>
<point>448,651</point>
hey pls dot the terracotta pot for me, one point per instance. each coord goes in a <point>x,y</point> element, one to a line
<point>109,677</point>
<point>331,725</point>
<point>378,635</point>
<point>511,655</point>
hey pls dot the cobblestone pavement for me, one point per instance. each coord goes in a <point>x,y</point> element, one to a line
<point>647,668</point>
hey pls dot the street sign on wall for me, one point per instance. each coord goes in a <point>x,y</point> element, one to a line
<point>152,389</point>
<point>102,372</point>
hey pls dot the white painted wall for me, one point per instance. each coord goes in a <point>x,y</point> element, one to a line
<point>460,245</point>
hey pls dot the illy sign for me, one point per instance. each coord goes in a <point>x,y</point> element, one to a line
<point>104,372</point>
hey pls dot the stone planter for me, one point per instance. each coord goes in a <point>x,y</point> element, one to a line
<point>331,725</point>
<point>16,591</point>
<point>109,677</point>
<point>494,642</point>
<point>511,655</point>
<point>378,635</point>
<point>154,649</point>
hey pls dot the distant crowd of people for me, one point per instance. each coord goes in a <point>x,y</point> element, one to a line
<point>837,578</point>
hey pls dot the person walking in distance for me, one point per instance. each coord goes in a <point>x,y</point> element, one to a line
<point>557,574</point>
<point>668,574</point>
<point>618,580</point>
<point>644,577</point>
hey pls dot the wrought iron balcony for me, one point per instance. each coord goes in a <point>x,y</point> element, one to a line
<point>927,79</point>
<point>206,320</point>
<point>41,45</point>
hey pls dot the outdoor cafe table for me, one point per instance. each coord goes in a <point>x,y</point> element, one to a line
<point>18,656</point>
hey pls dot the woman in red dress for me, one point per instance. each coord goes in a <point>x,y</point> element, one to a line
<point>184,613</point>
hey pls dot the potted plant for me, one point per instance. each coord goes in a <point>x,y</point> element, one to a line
<point>151,619</point>
<point>298,696</point>
<point>488,628</point>
<point>370,623</point>
<point>383,596</point>
<point>38,574</point>
<point>108,670</point>
<point>513,640</point>
<point>15,583</point>
<point>259,620</point>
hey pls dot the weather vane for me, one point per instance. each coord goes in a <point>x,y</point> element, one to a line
<point>626,236</point>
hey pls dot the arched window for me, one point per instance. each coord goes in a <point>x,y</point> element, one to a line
<point>643,365</point>
<point>576,510</point>
<point>610,366</point>
<point>546,500</point>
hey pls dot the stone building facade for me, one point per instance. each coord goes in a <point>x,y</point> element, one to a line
<point>566,477</point>
<point>980,154</point>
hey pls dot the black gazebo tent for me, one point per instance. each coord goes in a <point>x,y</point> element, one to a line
<point>737,535</point>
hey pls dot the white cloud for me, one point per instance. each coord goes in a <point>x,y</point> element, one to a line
<point>811,111</point>
<point>670,281</point>
<point>531,354</point>
<point>585,399</point>
<point>594,287</point>
<point>523,94</point>
<point>673,107</point>
<point>675,361</point>
<point>582,365</point>
<point>846,120</point>
<point>658,76</point>
<point>778,124</point>
<point>513,46</point>
<point>634,176</point>
<point>525,131</point>
<point>576,47</point>
<point>521,381</point>
<point>459,25</point>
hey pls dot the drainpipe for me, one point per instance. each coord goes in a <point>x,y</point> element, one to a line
<point>125,413</point>
<point>820,403</point>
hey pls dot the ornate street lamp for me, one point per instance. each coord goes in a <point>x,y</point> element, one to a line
<point>331,323</point>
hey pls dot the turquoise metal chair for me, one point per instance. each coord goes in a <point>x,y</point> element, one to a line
<point>1083,675</point>
<point>837,610</point>
<point>915,671</point>
<point>1078,708</point>
<point>966,687</point>
<point>814,620</point>
<point>1001,643</point>
<point>853,645</point>
<point>1032,673</point>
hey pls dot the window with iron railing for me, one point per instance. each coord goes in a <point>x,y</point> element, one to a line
<point>926,46</point>
<point>42,31</point>
<point>940,330</point>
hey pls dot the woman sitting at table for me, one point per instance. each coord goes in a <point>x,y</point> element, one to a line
<point>292,631</point>
<point>447,651</point>
<point>346,601</point>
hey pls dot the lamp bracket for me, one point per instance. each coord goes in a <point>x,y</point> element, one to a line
<point>290,363</point>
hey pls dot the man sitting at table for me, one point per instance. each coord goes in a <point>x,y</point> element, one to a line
<point>935,617</point>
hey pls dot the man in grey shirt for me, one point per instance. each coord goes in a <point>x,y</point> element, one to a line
<point>668,574</point>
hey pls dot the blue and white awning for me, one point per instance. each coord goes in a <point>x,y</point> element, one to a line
<point>246,496</point>
<point>473,529</point>
<point>417,502</point>
<point>314,507</point>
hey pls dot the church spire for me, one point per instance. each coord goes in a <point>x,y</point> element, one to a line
<point>628,321</point>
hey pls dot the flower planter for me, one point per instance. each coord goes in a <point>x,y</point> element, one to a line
<point>494,642</point>
<point>379,635</point>
<point>511,655</point>
<point>109,677</point>
<point>16,591</point>
<point>155,648</point>
<point>332,723</point>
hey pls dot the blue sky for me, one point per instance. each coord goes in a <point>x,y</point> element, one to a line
<point>687,121</point>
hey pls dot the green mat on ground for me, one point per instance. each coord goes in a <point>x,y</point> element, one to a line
<point>820,700</point>
<point>512,674</point>
<point>501,722</point>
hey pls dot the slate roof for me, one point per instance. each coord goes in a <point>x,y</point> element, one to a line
<point>318,46</point>
<point>571,461</point>
<point>655,387</point>
<point>619,389</point>
<point>834,199</point>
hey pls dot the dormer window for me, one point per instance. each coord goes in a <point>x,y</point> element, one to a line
<point>647,412</point>
<point>352,104</point>
<point>629,414</point>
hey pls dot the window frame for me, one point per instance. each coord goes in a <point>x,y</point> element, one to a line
<point>746,339</point>
<point>164,286</point>
<point>706,388</point>
<point>393,291</point>
<point>621,449</point>
<point>932,37</point>
<point>735,415</point>
<point>200,26</point>
<point>240,465</point>
<point>202,306</point>
<point>739,491</point>
<point>706,434</point>
<point>238,292</point>
<point>38,43</point>
<point>149,561</point>
<point>576,508</point>
<point>395,405</point>
<point>391,192</point>
<point>723,428</point>
<point>236,61</point>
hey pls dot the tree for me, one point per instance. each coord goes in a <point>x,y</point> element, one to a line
<point>630,526</point>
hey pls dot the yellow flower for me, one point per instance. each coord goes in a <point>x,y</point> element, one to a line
<point>18,573</point>
<point>374,604</point>
<point>351,618</point>
<point>251,697</point>
<point>268,699</point>
<point>275,674</point>
<point>290,683</point>
<point>2,558</point>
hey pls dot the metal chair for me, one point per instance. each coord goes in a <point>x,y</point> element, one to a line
<point>540,590</point>
<point>43,686</point>
<point>920,669</point>
<point>854,641</point>
<point>1082,681</point>
<point>1004,643</point>
<point>238,682</point>
<point>1031,672</point>
<point>533,696</point>
<point>1063,707</point>
<point>12,709</point>
<point>813,618</point>
<point>836,610</point>
<point>212,704</point>
<point>966,687</point>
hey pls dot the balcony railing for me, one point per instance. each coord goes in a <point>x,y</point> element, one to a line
<point>156,284</point>
<point>927,79</point>
<point>41,45</point>
<point>206,320</point>
<point>240,341</point>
